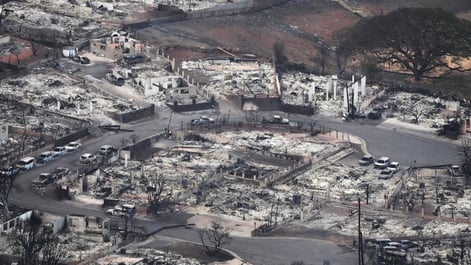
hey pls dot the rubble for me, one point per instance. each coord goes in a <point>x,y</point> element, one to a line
<point>146,256</point>
<point>54,91</point>
<point>228,78</point>
<point>226,173</point>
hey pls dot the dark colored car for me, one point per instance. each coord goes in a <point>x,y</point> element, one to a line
<point>374,115</point>
<point>43,179</point>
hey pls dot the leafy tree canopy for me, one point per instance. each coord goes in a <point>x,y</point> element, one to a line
<point>419,39</point>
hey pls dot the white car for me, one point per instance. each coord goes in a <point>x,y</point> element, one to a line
<point>59,151</point>
<point>382,162</point>
<point>72,146</point>
<point>394,167</point>
<point>87,158</point>
<point>121,210</point>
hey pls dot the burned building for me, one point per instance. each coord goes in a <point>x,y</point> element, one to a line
<point>117,46</point>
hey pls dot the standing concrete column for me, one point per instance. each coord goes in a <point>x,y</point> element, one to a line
<point>363,85</point>
<point>58,105</point>
<point>355,93</point>
<point>329,84</point>
<point>326,87</point>
<point>334,84</point>
<point>345,98</point>
<point>314,94</point>
<point>311,93</point>
<point>91,107</point>
<point>353,79</point>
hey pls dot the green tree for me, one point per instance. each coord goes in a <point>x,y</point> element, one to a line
<point>421,40</point>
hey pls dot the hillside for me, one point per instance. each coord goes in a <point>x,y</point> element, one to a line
<point>300,25</point>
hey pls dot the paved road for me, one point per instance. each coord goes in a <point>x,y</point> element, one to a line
<point>263,251</point>
<point>398,145</point>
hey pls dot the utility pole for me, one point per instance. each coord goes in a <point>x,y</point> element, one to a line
<point>453,208</point>
<point>360,236</point>
<point>169,121</point>
<point>436,185</point>
<point>367,193</point>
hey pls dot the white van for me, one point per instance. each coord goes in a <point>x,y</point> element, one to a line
<point>26,163</point>
<point>382,162</point>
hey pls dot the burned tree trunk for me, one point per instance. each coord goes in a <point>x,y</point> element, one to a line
<point>155,189</point>
<point>214,237</point>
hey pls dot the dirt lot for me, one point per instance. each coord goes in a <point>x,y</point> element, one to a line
<point>299,25</point>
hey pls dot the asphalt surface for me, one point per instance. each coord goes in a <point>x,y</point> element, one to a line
<point>399,145</point>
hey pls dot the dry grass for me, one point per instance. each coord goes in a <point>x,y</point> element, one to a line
<point>300,25</point>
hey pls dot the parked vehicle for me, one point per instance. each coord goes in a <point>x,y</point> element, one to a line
<point>115,78</point>
<point>116,211</point>
<point>374,115</point>
<point>87,158</point>
<point>382,162</point>
<point>26,163</point>
<point>366,160</point>
<point>107,150</point>
<point>276,119</point>
<point>121,210</point>
<point>60,150</point>
<point>9,171</point>
<point>43,179</point>
<point>407,244</point>
<point>61,172</point>
<point>455,170</point>
<point>386,174</point>
<point>72,146</point>
<point>394,166</point>
<point>381,242</point>
<point>45,157</point>
<point>129,208</point>
<point>203,120</point>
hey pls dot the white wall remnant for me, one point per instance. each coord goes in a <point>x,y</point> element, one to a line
<point>334,84</point>
<point>355,93</point>
<point>345,98</point>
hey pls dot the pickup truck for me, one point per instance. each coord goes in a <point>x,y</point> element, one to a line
<point>43,179</point>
